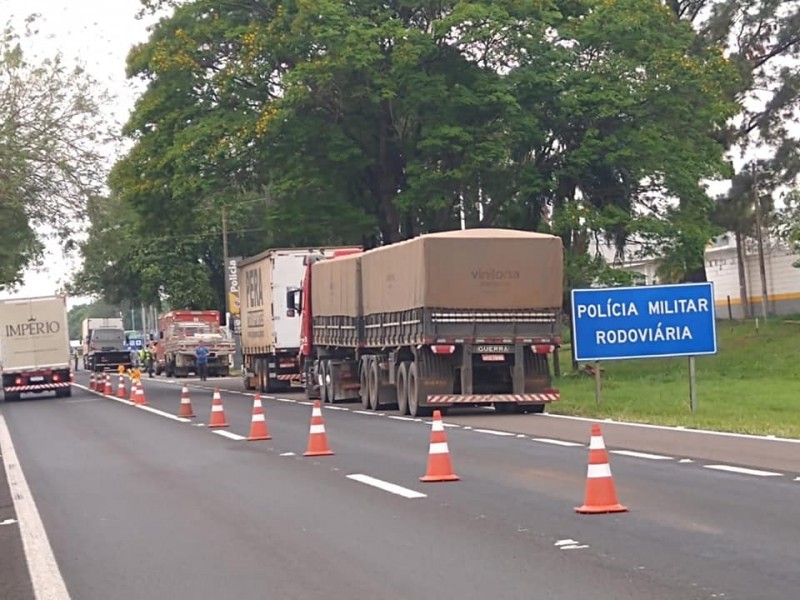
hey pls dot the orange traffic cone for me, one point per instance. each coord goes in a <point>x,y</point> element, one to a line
<point>107,391</point>
<point>217,412</point>
<point>186,404</point>
<point>91,381</point>
<point>121,387</point>
<point>601,495</point>
<point>258,424</point>
<point>133,390</point>
<point>140,399</point>
<point>317,438</point>
<point>439,466</point>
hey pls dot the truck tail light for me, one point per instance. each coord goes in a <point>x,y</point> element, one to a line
<point>18,381</point>
<point>443,348</point>
<point>56,377</point>
<point>543,348</point>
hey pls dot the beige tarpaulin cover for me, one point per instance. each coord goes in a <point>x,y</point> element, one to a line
<point>471,269</point>
<point>334,287</point>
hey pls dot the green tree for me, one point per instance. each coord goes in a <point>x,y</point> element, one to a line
<point>762,38</point>
<point>51,155</point>
<point>363,122</point>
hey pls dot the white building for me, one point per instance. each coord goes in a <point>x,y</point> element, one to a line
<point>783,278</point>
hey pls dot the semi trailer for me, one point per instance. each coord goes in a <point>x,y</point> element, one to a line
<point>445,319</point>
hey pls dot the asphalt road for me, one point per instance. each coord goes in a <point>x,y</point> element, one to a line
<point>139,506</point>
<point>712,447</point>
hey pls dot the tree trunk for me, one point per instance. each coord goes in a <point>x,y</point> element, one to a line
<point>387,177</point>
<point>740,263</point>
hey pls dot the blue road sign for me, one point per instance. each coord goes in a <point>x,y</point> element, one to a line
<point>644,322</point>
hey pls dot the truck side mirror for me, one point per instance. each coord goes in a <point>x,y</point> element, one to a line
<point>293,301</point>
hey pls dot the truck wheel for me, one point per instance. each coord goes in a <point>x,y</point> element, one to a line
<point>11,396</point>
<point>363,391</point>
<point>373,382</point>
<point>330,383</point>
<point>322,379</point>
<point>402,388</point>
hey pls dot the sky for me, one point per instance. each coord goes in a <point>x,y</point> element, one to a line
<point>98,34</point>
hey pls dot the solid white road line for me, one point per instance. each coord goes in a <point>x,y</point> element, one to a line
<point>329,407</point>
<point>399,418</point>
<point>286,400</point>
<point>641,455</point>
<point>743,471</point>
<point>287,454</point>
<point>365,412</point>
<point>679,429</point>
<point>494,432</point>
<point>48,584</point>
<point>558,442</point>
<point>386,486</point>
<point>228,434</point>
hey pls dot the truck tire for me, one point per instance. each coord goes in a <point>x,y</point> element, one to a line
<point>374,385</point>
<point>12,396</point>
<point>330,383</point>
<point>402,388</point>
<point>363,391</point>
<point>65,393</point>
<point>322,380</point>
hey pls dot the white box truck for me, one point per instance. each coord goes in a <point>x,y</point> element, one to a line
<point>270,332</point>
<point>34,339</point>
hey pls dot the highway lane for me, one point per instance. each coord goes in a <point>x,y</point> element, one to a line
<point>709,529</point>
<point>14,580</point>
<point>711,447</point>
<point>141,507</point>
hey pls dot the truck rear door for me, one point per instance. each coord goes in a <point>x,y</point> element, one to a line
<point>287,271</point>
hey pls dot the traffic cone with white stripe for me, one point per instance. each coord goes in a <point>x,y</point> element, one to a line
<point>121,387</point>
<point>317,438</point>
<point>91,381</point>
<point>439,465</point>
<point>258,424</point>
<point>601,494</point>
<point>133,390</point>
<point>107,391</point>
<point>140,399</point>
<point>217,412</point>
<point>186,404</point>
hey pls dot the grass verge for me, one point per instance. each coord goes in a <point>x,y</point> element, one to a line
<point>751,386</point>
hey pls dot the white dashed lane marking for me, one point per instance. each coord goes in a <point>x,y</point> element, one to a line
<point>743,471</point>
<point>386,486</point>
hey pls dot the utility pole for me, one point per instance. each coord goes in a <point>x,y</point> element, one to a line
<point>760,238</point>
<point>225,263</point>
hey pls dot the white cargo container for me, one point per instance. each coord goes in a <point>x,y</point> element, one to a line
<point>35,346</point>
<point>271,333</point>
